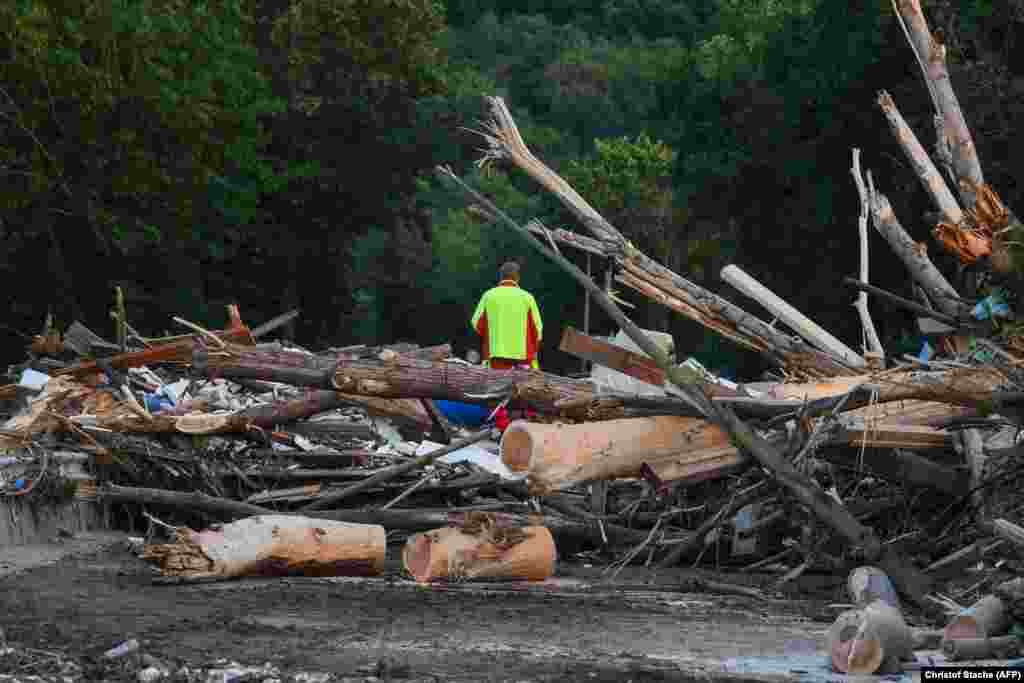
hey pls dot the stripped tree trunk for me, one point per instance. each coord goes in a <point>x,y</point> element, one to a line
<point>273,545</point>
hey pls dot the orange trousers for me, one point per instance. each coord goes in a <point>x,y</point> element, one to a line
<point>502,419</point>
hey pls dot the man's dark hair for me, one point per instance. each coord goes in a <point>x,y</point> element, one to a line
<point>510,271</point>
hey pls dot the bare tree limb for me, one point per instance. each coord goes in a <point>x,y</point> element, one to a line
<point>874,345</point>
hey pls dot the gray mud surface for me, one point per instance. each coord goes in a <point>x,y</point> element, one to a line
<point>569,629</point>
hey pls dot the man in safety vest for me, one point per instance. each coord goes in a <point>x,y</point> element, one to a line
<point>508,321</point>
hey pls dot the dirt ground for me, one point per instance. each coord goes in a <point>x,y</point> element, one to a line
<point>569,629</point>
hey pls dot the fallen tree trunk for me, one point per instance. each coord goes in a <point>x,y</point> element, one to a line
<point>411,378</point>
<point>559,456</point>
<point>872,639</point>
<point>273,545</point>
<point>481,552</point>
<point>194,500</point>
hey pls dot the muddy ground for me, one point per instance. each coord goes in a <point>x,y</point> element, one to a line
<point>571,629</point>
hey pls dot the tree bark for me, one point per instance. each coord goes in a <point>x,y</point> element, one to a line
<point>872,639</point>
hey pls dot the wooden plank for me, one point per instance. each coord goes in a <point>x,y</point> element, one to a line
<point>911,437</point>
<point>611,356</point>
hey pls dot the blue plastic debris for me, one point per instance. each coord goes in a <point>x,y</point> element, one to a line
<point>990,307</point>
<point>465,414</point>
<point>157,402</point>
<point>926,353</point>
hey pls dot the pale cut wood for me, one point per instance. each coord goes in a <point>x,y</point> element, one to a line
<point>873,344</point>
<point>796,320</point>
<point>273,545</point>
<point>986,618</point>
<point>869,640</point>
<point>453,554</point>
<point>557,456</point>
<point>974,454</point>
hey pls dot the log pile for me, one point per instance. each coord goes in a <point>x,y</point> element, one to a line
<point>301,462</point>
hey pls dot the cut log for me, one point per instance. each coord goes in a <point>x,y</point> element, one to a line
<point>273,545</point>
<point>872,639</point>
<point>986,618</point>
<point>452,554</point>
<point>558,456</point>
<point>868,584</point>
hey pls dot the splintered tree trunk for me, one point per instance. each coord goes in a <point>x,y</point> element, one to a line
<point>872,639</point>
<point>559,456</point>
<point>273,545</point>
<point>526,554</point>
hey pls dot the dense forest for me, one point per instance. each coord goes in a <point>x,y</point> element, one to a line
<point>278,154</point>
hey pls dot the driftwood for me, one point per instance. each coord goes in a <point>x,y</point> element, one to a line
<point>273,545</point>
<point>559,456</point>
<point>872,639</point>
<point>481,550</point>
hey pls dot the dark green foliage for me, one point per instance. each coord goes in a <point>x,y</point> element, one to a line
<point>276,153</point>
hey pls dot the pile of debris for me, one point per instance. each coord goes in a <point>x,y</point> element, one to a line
<point>845,460</point>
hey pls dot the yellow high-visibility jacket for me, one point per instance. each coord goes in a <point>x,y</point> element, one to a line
<point>508,320</point>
